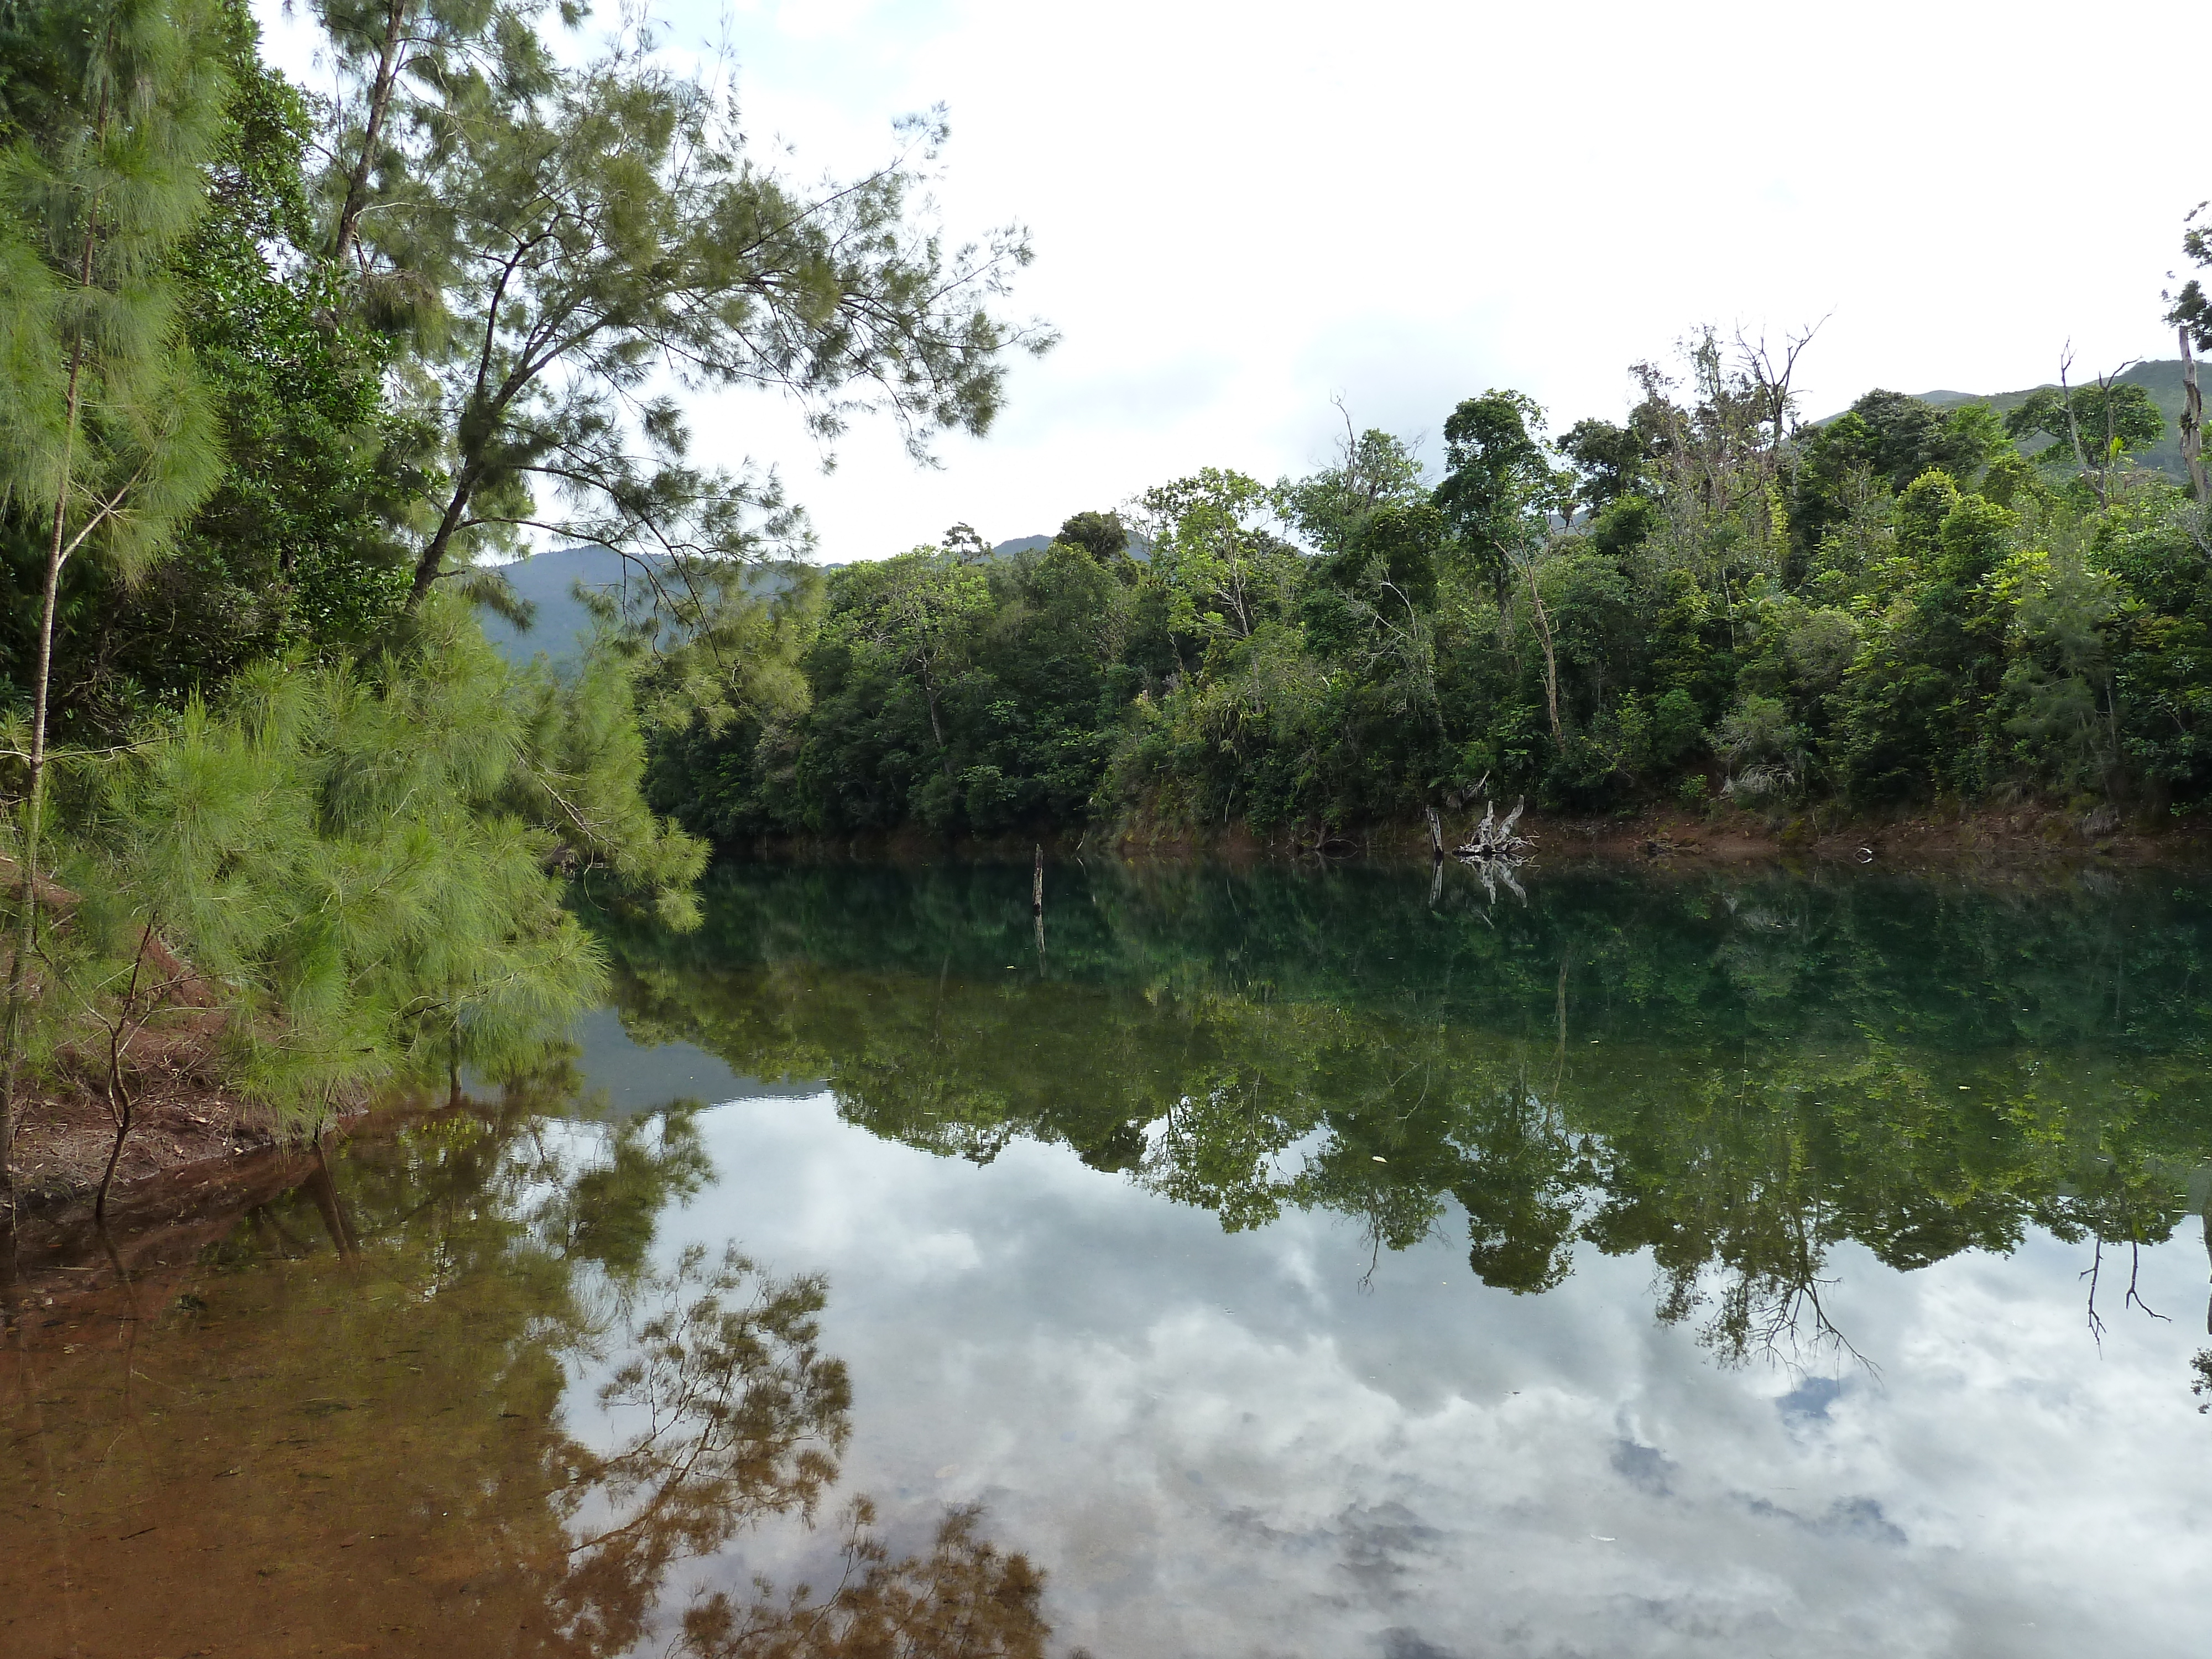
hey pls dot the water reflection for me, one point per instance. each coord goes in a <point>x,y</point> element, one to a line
<point>1736,1075</point>
<point>964,1599</point>
<point>441,1395</point>
<point>1274,1255</point>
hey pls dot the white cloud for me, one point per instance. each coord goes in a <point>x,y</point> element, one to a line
<point>1240,210</point>
<point>1221,1444</point>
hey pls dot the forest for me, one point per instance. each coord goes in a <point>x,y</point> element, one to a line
<point>1712,603</point>
<point>287,377</point>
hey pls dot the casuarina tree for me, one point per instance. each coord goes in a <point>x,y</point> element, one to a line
<point>568,251</point>
<point>105,438</point>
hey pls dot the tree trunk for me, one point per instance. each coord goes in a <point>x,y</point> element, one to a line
<point>26,918</point>
<point>936,728</point>
<point>122,1105</point>
<point>1551,661</point>
<point>325,1191</point>
<point>2095,475</point>
<point>381,88</point>
<point>433,550</point>
<point>2193,421</point>
<point>1036,884</point>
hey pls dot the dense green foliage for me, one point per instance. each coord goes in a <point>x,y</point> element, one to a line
<point>266,401</point>
<point>1709,600</point>
<point>364,862</point>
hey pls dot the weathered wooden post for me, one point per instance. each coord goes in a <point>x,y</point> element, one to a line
<point>1037,904</point>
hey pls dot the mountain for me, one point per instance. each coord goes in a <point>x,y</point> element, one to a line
<point>548,581</point>
<point>562,625</point>
<point>2162,379</point>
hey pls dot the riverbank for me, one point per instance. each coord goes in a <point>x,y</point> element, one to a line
<point>60,1258</point>
<point>185,1133</point>
<point>1994,839</point>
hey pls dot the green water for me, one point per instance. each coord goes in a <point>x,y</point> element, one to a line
<point>1286,1261</point>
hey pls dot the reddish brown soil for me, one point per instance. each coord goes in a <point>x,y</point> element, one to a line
<point>60,1258</point>
<point>1997,838</point>
<point>63,1144</point>
<point>190,1138</point>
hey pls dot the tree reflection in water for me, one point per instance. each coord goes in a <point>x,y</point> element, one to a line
<point>389,1437</point>
<point>743,1419</point>
<point>1735,1072</point>
<point>964,1599</point>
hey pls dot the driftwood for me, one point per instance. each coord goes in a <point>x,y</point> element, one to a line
<point>1497,838</point>
<point>1497,848</point>
<point>1759,782</point>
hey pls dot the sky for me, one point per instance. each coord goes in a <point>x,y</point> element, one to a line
<point>1243,214</point>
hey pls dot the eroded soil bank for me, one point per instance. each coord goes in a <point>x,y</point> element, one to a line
<point>192,1143</point>
<point>2000,841</point>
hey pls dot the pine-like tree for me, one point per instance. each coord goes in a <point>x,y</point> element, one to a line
<point>106,440</point>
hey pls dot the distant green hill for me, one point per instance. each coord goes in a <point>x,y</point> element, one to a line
<point>2161,379</point>
<point>562,625</point>
<point>547,580</point>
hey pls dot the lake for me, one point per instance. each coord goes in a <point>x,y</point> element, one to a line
<point>1277,1260</point>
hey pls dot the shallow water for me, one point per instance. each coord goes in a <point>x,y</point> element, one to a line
<point>1287,1263</point>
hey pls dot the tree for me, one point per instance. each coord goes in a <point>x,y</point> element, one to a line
<point>1877,448</point>
<point>1610,462</point>
<point>1498,493</point>
<point>1499,486</point>
<point>2190,314</point>
<point>894,647</point>
<point>1897,438</point>
<point>1373,470</point>
<point>1224,572</point>
<point>582,243</point>
<point>964,1599</point>
<point>294,548</point>
<point>107,435</point>
<point>1101,535</point>
<point>2191,308</point>
<point>2094,427</point>
<point>409,71</point>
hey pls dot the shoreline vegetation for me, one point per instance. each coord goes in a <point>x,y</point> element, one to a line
<point>285,377</point>
<point>2031,837</point>
<point>193,1127</point>
<point>1714,609</point>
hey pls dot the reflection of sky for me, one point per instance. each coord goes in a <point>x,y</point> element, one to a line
<point>623,1078</point>
<point>1222,1444</point>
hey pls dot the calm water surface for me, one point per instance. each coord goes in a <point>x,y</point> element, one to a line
<point>1285,1263</point>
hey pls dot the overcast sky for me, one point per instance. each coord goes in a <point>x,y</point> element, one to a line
<point>1243,211</point>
